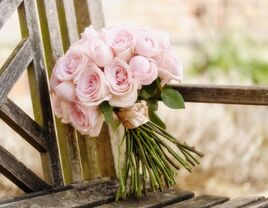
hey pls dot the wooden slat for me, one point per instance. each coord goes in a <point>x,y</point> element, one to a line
<point>7,7</point>
<point>12,199</point>
<point>54,40</point>
<point>240,202</point>
<point>105,153</point>
<point>96,14</point>
<point>71,20</point>
<point>40,93</point>
<point>224,94</point>
<point>165,198</point>
<point>19,174</point>
<point>14,67</point>
<point>99,150</point>
<point>54,28</point>
<point>63,23</point>
<point>258,204</point>
<point>200,202</point>
<point>84,196</point>
<point>82,14</point>
<point>19,121</point>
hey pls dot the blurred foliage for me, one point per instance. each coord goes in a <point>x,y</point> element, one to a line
<point>227,54</point>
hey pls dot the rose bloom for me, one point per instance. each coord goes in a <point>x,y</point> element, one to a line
<point>147,44</point>
<point>89,33</point>
<point>121,40</point>
<point>143,69</point>
<point>169,67</point>
<point>61,109</point>
<point>88,121</point>
<point>121,83</point>
<point>69,66</point>
<point>66,91</point>
<point>99,52</point>
<point>92,88</point>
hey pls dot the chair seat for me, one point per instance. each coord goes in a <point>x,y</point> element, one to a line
<point>101,194</point>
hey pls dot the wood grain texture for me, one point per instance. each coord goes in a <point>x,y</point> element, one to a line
<point>204,201</point>
<point>40,96</point>
<point>105,153</point>
<point>19,174</point>
<point>153,200</point>
<point>96,14</point>
<point>19,121</point>
<point>240,202</point>
<point>14,66</point>
<point>259,204</point>
<point>71,20</point>
<point>246,95</point>
<point>82,14</point>
<point>80,196</point>
<point>99,150</point>
<point>7,8</point>
<point>69,151</point>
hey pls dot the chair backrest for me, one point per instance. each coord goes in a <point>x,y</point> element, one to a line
<point>47,28</point>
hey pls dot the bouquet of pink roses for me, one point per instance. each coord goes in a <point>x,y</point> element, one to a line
<point>120,74</point>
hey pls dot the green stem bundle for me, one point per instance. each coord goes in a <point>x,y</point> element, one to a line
<point>149,158</point>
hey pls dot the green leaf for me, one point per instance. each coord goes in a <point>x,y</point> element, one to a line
<point>172,98</point>
<point>155,119</point>
<point>148,91</point>
<point>115,124</point>
<point>107,111</point>
<point>152,104</point>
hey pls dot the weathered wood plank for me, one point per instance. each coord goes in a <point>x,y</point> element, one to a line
<point>96,14</point>
<point>54,28</point>
<point>105,153</point>
<point>82,14</point>
<point>240,202</point>
<point>247,95</point>
<point>12,69</point>
<point>11,199</point>
<point>259,204</point>
<point>63,23</point>
<point>58,39</point>
<point>40,94</point>
<point>71,20</point>
<point>7,7</point>
<point>153,200</point>
<point>19,174</point>
<point>19,121</point>
<point>200,202</point>
<point>86,196</point>
<point>99,149</point>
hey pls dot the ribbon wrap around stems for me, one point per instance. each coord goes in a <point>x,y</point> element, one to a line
<point>134,116</point>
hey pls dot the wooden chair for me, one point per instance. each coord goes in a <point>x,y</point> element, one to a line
<point>78,171</point>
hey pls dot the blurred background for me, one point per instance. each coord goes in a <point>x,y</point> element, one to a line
<point>218,42</point>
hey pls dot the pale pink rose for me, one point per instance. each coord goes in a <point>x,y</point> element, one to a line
<point>92,88</point>
<point>143,69</point>
<point>121,83</point>
<point>69,66</point>
<point>99,52</point>
<point>121,41</point>
<point>61,109</point>
<point>169,67</point>
<point>89,33</point>
<point>164,42</point>
<point>88,121</point>
<point>54,82</point>
<point>66,91</point>
<point>147,44</point>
